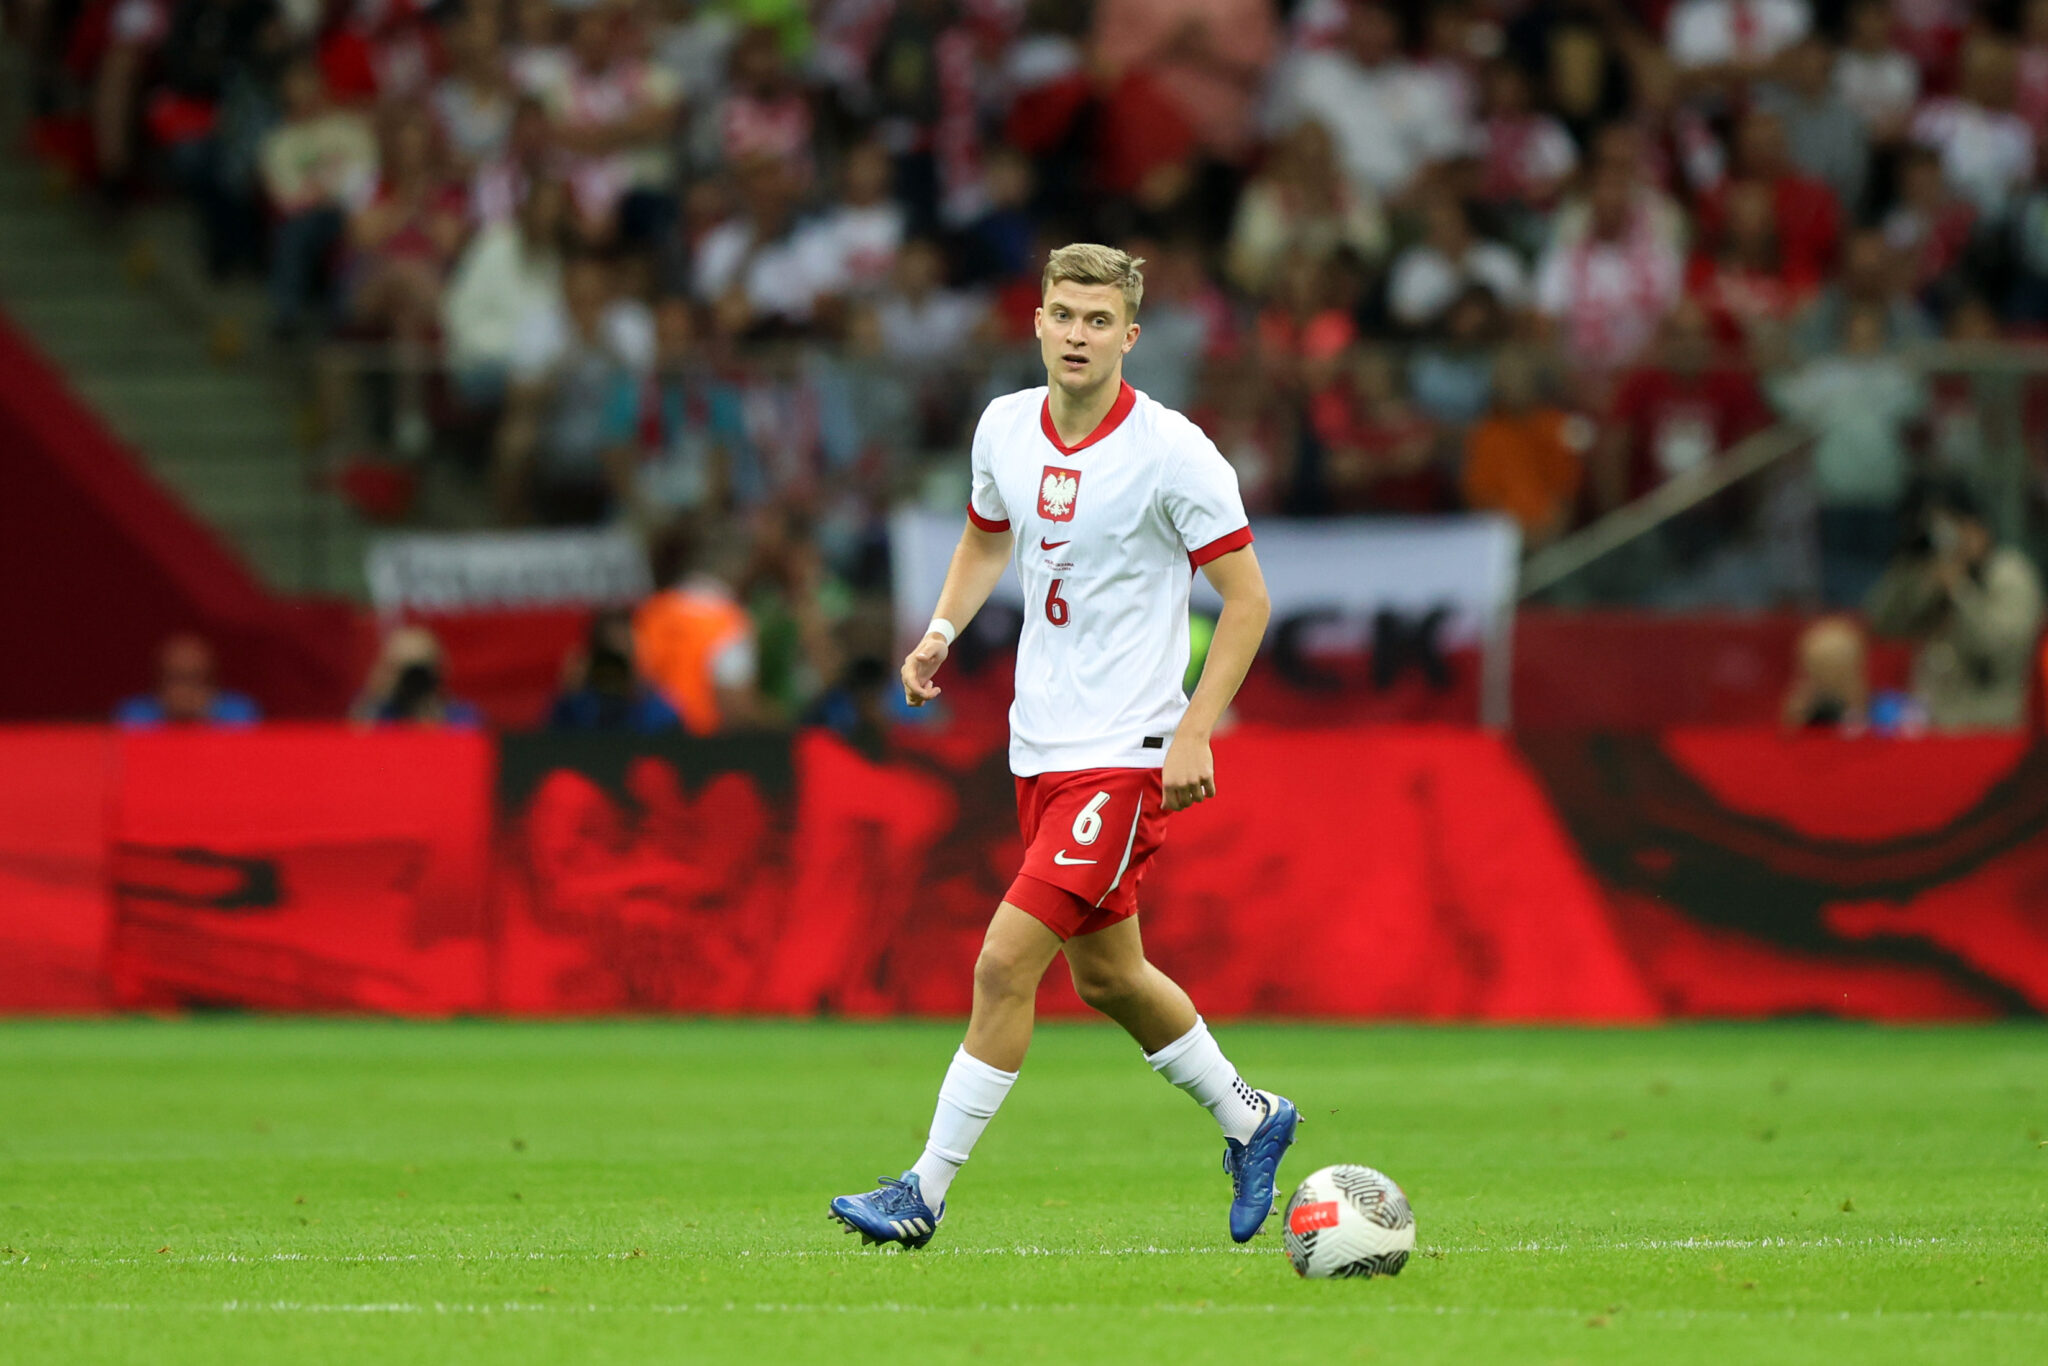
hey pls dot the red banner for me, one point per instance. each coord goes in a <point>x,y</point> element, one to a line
<point>55,790</point>
<point>302,869</point>
<point>1410,873</point>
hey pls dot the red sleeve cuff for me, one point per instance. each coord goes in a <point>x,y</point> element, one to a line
<point>1222,545</point>
<point>986,523</point>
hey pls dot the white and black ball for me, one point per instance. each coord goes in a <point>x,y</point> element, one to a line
<point>1348,1221</point>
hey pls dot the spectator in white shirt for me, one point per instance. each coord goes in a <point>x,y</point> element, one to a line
<point>1606,293</point>
<point>511,272</point>
<point>1716,40</point>
<point>755,260</point>
<point>1875,79</point>
<point>1986,149</point>
<point>851,248</point>
<point>1388,118</point>
<point>921,319</point>
<point>1431,275</point>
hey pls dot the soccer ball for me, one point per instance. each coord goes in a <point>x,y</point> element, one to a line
<point>1348,1221</point>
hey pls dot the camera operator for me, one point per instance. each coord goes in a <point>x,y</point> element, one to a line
<point>1974,607</point>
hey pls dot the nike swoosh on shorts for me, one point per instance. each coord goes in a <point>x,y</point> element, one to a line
<point>1061,857</point>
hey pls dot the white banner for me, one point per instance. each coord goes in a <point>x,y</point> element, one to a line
<point>502,570</point>
<point>1334,579</point>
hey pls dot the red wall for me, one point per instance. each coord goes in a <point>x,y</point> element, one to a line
<point>1411,873</point>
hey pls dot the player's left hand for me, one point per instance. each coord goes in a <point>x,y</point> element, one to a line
<point>1189,775</point>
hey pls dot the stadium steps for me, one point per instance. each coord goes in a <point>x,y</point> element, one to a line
<point>179,367</point>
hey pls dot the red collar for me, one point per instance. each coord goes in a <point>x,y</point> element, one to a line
<point>1126,399</point>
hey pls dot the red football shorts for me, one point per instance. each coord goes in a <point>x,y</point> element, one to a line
<point>1087,838</point>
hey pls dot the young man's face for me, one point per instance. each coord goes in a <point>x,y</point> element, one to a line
<point>1083,333</point>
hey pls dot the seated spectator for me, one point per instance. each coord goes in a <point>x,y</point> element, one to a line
<point>765,114</point>
<point>922,320</point>
<point>754,262</point>
<point>1372,450</point>
<point>526,158</point>
<point>401,245</point>
<point>1450,260</point>
<point>1930,227</point>
<point>2028,302</point>
<point>406,685</point>
<point>1824,137</point>
<point>1673,414</point>
<point>1857,404</point>
<point>695,639</point>
<point>1451,374</point>
<point>538,59</point>
<point>1183,314</point>
<point>511,272</point>
<point>672,437</point>
<point>1384,114</point>
<point>473,104</point>
<point>318,164</point>
<point>1526,457</point>
<point>997,244</point>
<point>1830,685</point>
<point>1974,608</point>
<point>851,248</point>
<point>202,111</point>
<point>186,692</point>
<point>614,116</point>
<point>1872,276</point>
<point>1606,293</point>
<point>553,444</point>
<point>1809,217</point>
<point>1525,154</point>
<point>2031,67</point>
<point>1986,149</point>
<point>603,692</point>
<point>1209,61</point>
<point>1721,44</point>
<point>1878,82</point>
<point>1748,288</point>
<point>1300,205</point>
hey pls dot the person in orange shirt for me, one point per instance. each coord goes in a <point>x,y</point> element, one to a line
<point>1526,457</point>
<point>695,640</point>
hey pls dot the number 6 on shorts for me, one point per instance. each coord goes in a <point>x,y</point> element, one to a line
<point>1088,825</point>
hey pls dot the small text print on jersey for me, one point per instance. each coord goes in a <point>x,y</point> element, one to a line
<point>1057,490</point>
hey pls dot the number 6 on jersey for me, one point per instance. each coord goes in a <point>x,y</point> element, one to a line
<point>1056,610</point>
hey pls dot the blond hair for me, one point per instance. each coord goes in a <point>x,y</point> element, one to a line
<point>1091,263</point>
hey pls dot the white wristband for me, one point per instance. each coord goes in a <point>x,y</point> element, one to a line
<point>943,628</point>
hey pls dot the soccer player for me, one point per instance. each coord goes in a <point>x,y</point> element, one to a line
<point>1108,502</point>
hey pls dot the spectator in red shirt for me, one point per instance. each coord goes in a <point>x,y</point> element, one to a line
<point>1809,217</point>
<point>1373,451</point>
<point>403,244</point>
<point>1747,286</point>
<point>1930,226</point>
<point>1674,414</point>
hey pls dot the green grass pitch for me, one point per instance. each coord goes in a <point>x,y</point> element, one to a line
<point>284,1191</point>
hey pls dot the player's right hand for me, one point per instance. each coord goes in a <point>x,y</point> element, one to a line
<point>919,666</point>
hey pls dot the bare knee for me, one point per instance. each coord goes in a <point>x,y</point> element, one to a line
<point>1003,972</point>
<point>1107,986</point>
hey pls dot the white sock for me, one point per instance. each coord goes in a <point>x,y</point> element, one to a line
<point>968,1099</point>
<point>1195,1064</point>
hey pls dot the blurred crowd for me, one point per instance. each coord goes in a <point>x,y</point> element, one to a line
<point>662,259</point>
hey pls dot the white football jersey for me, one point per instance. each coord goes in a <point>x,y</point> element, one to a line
<point>1109,535</point>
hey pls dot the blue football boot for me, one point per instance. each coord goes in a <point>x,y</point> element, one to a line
<point>894,1212</point>
<point>1254,1165</point>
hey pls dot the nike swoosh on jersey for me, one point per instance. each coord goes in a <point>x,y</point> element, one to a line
<point>1061,858</point>
<point>1044,544</point>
